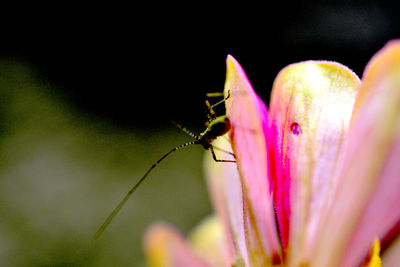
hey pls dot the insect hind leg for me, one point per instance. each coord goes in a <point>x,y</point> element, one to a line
<point>225,151</point>
<point>219,160</point>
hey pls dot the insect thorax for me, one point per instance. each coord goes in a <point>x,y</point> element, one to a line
<point>217,127</point>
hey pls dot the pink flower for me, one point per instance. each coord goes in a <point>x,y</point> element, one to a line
<point>317,179</point>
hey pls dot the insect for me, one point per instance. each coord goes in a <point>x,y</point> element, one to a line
<point>216,126</point>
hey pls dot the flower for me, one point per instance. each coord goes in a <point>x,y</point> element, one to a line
<point>317,179</point>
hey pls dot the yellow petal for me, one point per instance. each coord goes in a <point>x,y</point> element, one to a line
<point>227,198</point>
<point>374,259</point>
<point>164,246</point>
<point>209,240</point>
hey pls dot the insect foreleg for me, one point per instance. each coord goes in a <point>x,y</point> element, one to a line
<point>211,113</point>
<point>223,100</point>
<point>216,94</point>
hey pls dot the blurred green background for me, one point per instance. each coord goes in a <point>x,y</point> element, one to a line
<point>87,92</point>
<point>62,174</point>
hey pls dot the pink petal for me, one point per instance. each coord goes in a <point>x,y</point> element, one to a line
<point>391,258</point>
<point>249,120</point>
<point>311,107</point>
<point>226,194</point>
<point>366,204</point>
<point>164,246</point>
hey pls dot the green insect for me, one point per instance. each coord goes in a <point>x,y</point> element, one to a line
<point>216,126</point>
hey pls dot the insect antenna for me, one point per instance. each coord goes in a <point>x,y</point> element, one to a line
<point>216,127</point>
<point>133,189</point>
<point>183,128</point>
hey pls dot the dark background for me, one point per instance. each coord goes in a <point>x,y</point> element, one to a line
<point>87,93</point>
<point>144,65</point>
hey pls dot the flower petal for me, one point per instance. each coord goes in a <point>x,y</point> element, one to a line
<point>226,194</point>
<point>366,203</point>
<point>209,240</point>
<point>391,258</point>
<point>164,246</point>
<point>373,258</point>
<point>311,107</point>
<point>249,120</point>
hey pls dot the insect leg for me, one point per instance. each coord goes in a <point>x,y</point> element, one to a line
<point>211,113</point>
<point>225,151</point>
<point>219,160</point>
<point>223,100</point>
<point>216,94</point>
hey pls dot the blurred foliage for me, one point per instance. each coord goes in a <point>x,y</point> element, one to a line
<point>62,173</point>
